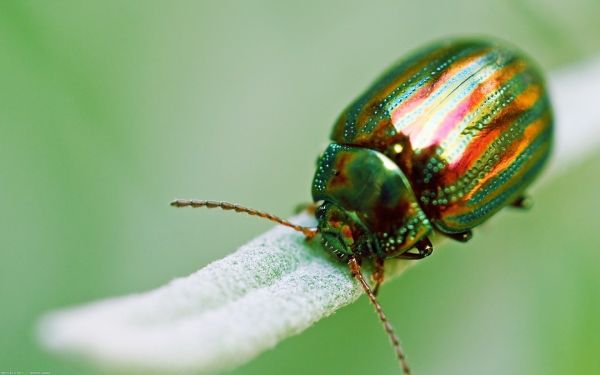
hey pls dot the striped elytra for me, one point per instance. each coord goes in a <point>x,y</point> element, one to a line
<point>468,122</point>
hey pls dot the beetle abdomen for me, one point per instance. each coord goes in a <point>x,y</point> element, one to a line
<point>469,123</point>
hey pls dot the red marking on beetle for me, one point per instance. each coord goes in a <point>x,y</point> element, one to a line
<point>427,90</point>
<point>455,117</point>
<point>411,103</point>
<point>475,151</point>
<point>340,178</point>
<point>347,232</point>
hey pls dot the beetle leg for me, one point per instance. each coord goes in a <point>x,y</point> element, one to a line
<point>462,236</point>
<point>524,202</point>
<point>424,247</point>
<point>377,275</point>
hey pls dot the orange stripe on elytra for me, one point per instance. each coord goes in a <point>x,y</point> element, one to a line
<point>440,129</point>
<point>502,121</point>
<point>423,93</point>
<point>419,95</point>
<point>532,131</point>
<point>384,92</point>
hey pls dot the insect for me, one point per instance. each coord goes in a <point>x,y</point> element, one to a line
<point>440,142</point>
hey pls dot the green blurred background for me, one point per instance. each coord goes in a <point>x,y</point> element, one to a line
<point>108,110</point>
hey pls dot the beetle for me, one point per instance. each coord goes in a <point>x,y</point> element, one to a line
<point>440,142</point>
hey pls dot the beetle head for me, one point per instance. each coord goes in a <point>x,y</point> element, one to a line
<point>343,233</point>
<point>369,207</point>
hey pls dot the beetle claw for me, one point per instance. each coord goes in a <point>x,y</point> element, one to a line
<point>524,201</point>
<point>462,236</point>
<point>424,247</point>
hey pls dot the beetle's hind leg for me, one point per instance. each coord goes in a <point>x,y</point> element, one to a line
<point>524,202</point>
<point>461,236</point>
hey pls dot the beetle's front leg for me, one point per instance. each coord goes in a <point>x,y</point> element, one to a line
<point>378,274</point>
<point>425,247</point>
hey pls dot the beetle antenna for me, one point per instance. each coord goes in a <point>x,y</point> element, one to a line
<point>355,269</point>
<point>308,232</point>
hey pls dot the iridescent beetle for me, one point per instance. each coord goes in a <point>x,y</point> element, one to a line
<point>440,142</point>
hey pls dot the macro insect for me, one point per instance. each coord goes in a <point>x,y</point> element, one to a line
<point>440,142</point>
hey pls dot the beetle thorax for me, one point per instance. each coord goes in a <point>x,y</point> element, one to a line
<point>369,206</point>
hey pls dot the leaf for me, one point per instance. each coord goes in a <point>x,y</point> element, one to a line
<point>221,316</point>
